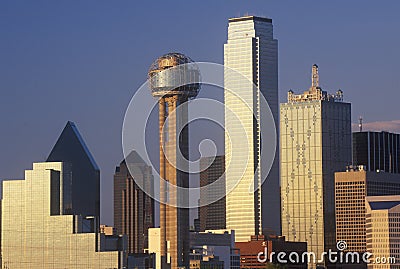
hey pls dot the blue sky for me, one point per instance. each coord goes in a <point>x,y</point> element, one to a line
<point>83,61</point>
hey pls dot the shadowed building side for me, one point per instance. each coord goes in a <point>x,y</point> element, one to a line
<point>212,215</point>
<point>134,207</point>
<point>85,195</point>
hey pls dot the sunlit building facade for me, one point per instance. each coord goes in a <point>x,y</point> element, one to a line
<point>315,143</point>
<point>351,189</point>
<point>252,51</point>
<point>36,234</point>
<point>173,82</point>
<point>383,231</point>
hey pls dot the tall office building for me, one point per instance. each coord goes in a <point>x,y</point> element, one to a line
<point>351,189</point>
<point>315,143</point>
<point>37,234</point>
<point>134,207</point>
<point>383,237</point>
<point>174,80</point>
<point>251,50</point>
<point>212,216</point>
<point>85,185</point>
<point>377,151</point>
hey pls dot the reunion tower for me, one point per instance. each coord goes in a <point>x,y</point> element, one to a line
<point>174,79</point>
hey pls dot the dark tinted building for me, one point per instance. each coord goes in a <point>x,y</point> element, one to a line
<point>85,182</point>
<point>212,216</point>
<point>377,151</point>
<point>134,208</point>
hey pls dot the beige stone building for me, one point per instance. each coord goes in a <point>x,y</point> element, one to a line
<point>315,142</point>
<point>383,231</point>
<point>351,189</point>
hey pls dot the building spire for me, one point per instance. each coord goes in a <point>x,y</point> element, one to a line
<point>315,77</point>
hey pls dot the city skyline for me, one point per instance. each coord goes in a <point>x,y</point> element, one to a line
<point>41,78</point>
<point>196,122</point>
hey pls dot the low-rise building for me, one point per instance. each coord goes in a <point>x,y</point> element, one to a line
<point>260,250</point>
<point>383,231</point>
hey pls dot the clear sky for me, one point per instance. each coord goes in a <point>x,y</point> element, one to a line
<point>83,60</point>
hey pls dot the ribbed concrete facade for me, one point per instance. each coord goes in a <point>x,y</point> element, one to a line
<point>174,221</point>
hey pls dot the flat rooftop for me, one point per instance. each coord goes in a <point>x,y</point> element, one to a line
<point>249,18</point>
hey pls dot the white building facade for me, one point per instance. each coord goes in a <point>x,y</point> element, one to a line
<point>252,51</point>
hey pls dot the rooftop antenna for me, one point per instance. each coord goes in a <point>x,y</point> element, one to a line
<point>315,77</point>
<point>360,123</point>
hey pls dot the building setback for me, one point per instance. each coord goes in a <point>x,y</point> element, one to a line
<point>133,203</point>
<point>351,189</point>
<point>315,143</point>
<point>252,51</point>
<point>383,231</point>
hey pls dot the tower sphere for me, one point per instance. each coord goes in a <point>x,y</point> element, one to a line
<point>174,74</point>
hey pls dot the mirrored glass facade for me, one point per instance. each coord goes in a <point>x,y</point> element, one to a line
<point>85,184</point>
<point>252,51</point>
<point>377,151</point>
<point>35,235</point>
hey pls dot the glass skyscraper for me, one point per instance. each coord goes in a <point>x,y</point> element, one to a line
<point>133,207</point>
<point>315,143</point>
<point>377,151</point>
<point>35,234</point>
<point>50,219</point>
<point>252,51</point>
<point>85,183</point>
<point>212,216</point>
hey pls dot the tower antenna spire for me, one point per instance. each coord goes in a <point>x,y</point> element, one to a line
<point>315,76</point>
<point>360,123</point>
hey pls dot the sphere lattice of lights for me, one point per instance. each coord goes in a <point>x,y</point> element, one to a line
<point>174,74</point>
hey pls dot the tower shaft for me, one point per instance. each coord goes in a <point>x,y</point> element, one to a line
<point>174,221</point>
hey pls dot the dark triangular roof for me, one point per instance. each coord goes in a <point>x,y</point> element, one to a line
<point>133,158</point>
<point>70,142</point>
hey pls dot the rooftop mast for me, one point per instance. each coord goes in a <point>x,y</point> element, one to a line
<point>315,77</point>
